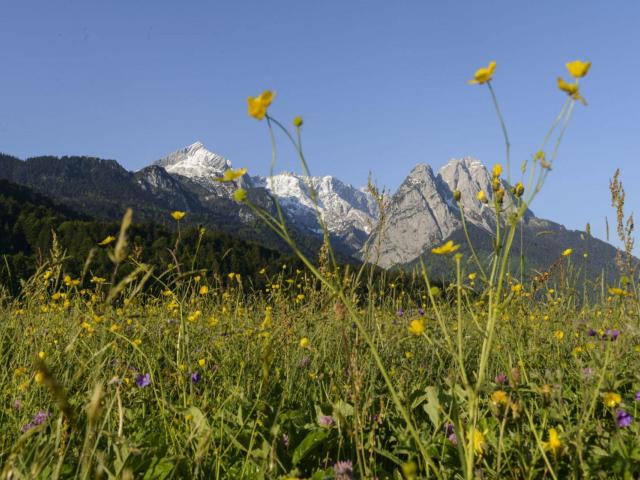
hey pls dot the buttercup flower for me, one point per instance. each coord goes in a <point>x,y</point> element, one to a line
<point>445,249</point>
<point>611,399</point>
<point>567,252</point>
<point>257,107</point>
<point>483,75</point>
<point>240,195</point>
<point>554,444</point>
<point>230,175</point>
<point>107,240</point>
<point>570,89</point>
<point>178,215</point>
<point>578,69</point>
<point>499,397</point>
<point>416,327</point>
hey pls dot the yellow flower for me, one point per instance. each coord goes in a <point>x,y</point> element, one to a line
<point>482,196</point>
<point>484,74</point>
<point>230,175</point>
<point>304,342</point>
<point>559,334</point>
<point>554,444</point>
<point>204,290</point>
<point>257,107</point>
<point>177,215</point>
<point>39,377</point>
<point>297,122</point>
<point>445,249</point>
<point>479,443</point>
<point>617,291</point>
<point>202,362</point>
<point>416,327</point>
<point>611,399</point>
<point>517,288</point>
<point>408,355</point>
<point>137,342</point>
<point>472,276</point>
<point>107,240</point>
<point>518,190</point>
<point>497,170</point>
<point>567,252</point>
<point>570,89</point>
<point>194,316</point>
<point>41,355</point>
<point>578,68</point>
<point>240,195</point>
<point>500,397</point>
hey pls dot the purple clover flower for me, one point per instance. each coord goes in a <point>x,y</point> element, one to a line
<point>449,431</point>
<point>591,332</point>
<point>343,470</point>
<point>587,372</point>
<point>326,421</point>
<point>196,377</point>
<point>613,334</point>
<point>421,311</point>
<point>143,380</point>
<point>400,312</point>
<point>285,441</point>
<point>38,419</point>
<point>501,378</point>
<point>623,418</point>
<point>304,362</point>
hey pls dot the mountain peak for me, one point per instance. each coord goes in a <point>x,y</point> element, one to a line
<point>194,161</point>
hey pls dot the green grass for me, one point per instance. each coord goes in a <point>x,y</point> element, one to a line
<point>255,411</point>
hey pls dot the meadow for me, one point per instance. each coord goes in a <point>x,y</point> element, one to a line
<point>329,371</point>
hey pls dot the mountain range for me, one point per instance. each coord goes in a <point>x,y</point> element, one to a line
<point>421,214</point>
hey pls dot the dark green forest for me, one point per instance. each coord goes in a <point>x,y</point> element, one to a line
<point>29,221</point>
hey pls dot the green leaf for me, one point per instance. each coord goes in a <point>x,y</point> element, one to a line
<point>432,407</point>
<point>310,442</point>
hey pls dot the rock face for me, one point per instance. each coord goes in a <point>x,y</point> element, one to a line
<point>349,213</point>
<point>420,215</point>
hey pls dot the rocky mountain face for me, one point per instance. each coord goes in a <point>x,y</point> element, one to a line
<point>421,214</point>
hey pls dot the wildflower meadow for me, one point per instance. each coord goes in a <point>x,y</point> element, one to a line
<point>329,370</point>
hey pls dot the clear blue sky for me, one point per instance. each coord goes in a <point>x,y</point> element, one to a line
<point>381,85</point>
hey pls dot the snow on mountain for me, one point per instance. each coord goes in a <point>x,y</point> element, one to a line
<point>349,213</point>
<point>342,206</point>
<point>194,161</point>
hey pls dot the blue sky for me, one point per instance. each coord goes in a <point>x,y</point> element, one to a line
<point>381,85</point>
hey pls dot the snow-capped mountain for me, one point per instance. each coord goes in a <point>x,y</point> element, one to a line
<point>420,215</point>
<point>349,213</point>
<point>194,161</point>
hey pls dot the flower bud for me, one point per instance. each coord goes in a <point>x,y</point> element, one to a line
<point>297,122</point>
<point>518,190</point>
<point>500,196</point>
<point>495,184</point>
<point>457,195</point>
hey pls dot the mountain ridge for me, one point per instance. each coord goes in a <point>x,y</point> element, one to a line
<point>421,214</point>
